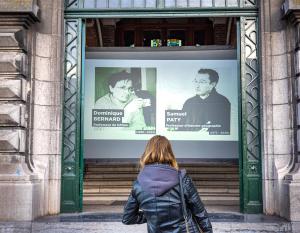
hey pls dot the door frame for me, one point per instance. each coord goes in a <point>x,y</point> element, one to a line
<point>250,164</point>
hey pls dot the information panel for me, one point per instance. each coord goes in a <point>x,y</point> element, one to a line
<point>132,96</point>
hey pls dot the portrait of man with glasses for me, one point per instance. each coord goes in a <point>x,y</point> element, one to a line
<point>207,111</point>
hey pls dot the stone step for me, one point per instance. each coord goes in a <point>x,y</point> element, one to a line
<point>202,194</point>
<point>136,170</point>
<point>110,183</point>
<point>135,163</point>
<point>120,199</point>
<point>210,170</point>
<point>123,176</point>
<point>127,190</point>
<point>92,197</point>
<point>110,194</point>
<point>181,164</point>
<point>135,174</point>
<point>203,183</point>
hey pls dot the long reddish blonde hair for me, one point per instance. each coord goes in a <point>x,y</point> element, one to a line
<point>158,150</point>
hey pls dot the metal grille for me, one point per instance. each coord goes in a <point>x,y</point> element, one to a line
<point>71,119</point>
<point>163,3</point>
<point>159,4</point>
<point>251,78</point>
<point>251,115</point>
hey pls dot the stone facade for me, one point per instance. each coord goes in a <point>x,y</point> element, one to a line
<point>277,105</point>
<point>30,109</point>
<point>46,106</point>
<point>19,187</point>
<point>291,181</point>
<point>31,84</point>
<point>279,85</point>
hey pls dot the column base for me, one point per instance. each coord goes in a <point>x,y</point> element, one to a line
<point>290,197</point>
<point>19,190</point>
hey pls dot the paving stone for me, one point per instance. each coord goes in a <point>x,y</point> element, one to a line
<point>109,227</point>
<point>15,227</point>
<point>111,222</point>
<point>118,227</point>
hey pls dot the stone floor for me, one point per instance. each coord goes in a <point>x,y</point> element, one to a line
<point>108,220</point>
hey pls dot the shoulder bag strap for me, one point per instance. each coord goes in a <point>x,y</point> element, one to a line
<point>183,203</point>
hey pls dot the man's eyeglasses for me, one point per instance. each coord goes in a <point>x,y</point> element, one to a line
<point>124,88</point>
<point>201,82</point>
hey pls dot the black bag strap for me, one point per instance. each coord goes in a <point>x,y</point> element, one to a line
<point>184,211</point>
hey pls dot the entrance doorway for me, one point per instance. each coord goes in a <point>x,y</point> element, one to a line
<point>209,151</point>
<point>244,11</point>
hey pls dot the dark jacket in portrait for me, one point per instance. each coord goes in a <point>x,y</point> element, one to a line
<point>212,112</point>
<point>155,200</point>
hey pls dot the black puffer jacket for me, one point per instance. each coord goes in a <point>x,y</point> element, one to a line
<point>155,199</point>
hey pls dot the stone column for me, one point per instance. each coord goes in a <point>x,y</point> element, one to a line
<point>19,186</point>
<point>46,102</point>
<point>291,183</point>
<point>278,107</point>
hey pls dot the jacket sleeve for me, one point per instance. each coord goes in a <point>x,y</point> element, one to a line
<point>132,214</point>
<point>196,206</point>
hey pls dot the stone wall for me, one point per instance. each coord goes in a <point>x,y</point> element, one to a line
<point>278,102</point>
<point>31,66</point>
<point>291,182</point>
<point>19,186</point>
<point>46,104</point>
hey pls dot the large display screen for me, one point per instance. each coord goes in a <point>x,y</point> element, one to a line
<point>191,97</point>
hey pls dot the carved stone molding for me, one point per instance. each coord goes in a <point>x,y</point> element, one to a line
<point>18,13</point>
<point>13,63</point>
<point>12,140</point>
<point>13,40</point>
<point>16,16</point>
<point>291,10</point>
<point>12,87</point>
<point>12,114</point>
<point>19,6</point>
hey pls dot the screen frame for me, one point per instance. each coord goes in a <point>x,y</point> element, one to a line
<point>171,53</point>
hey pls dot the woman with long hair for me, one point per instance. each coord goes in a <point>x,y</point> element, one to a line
<point>158,194</point>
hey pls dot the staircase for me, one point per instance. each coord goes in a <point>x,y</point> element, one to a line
<point>109,183</point>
